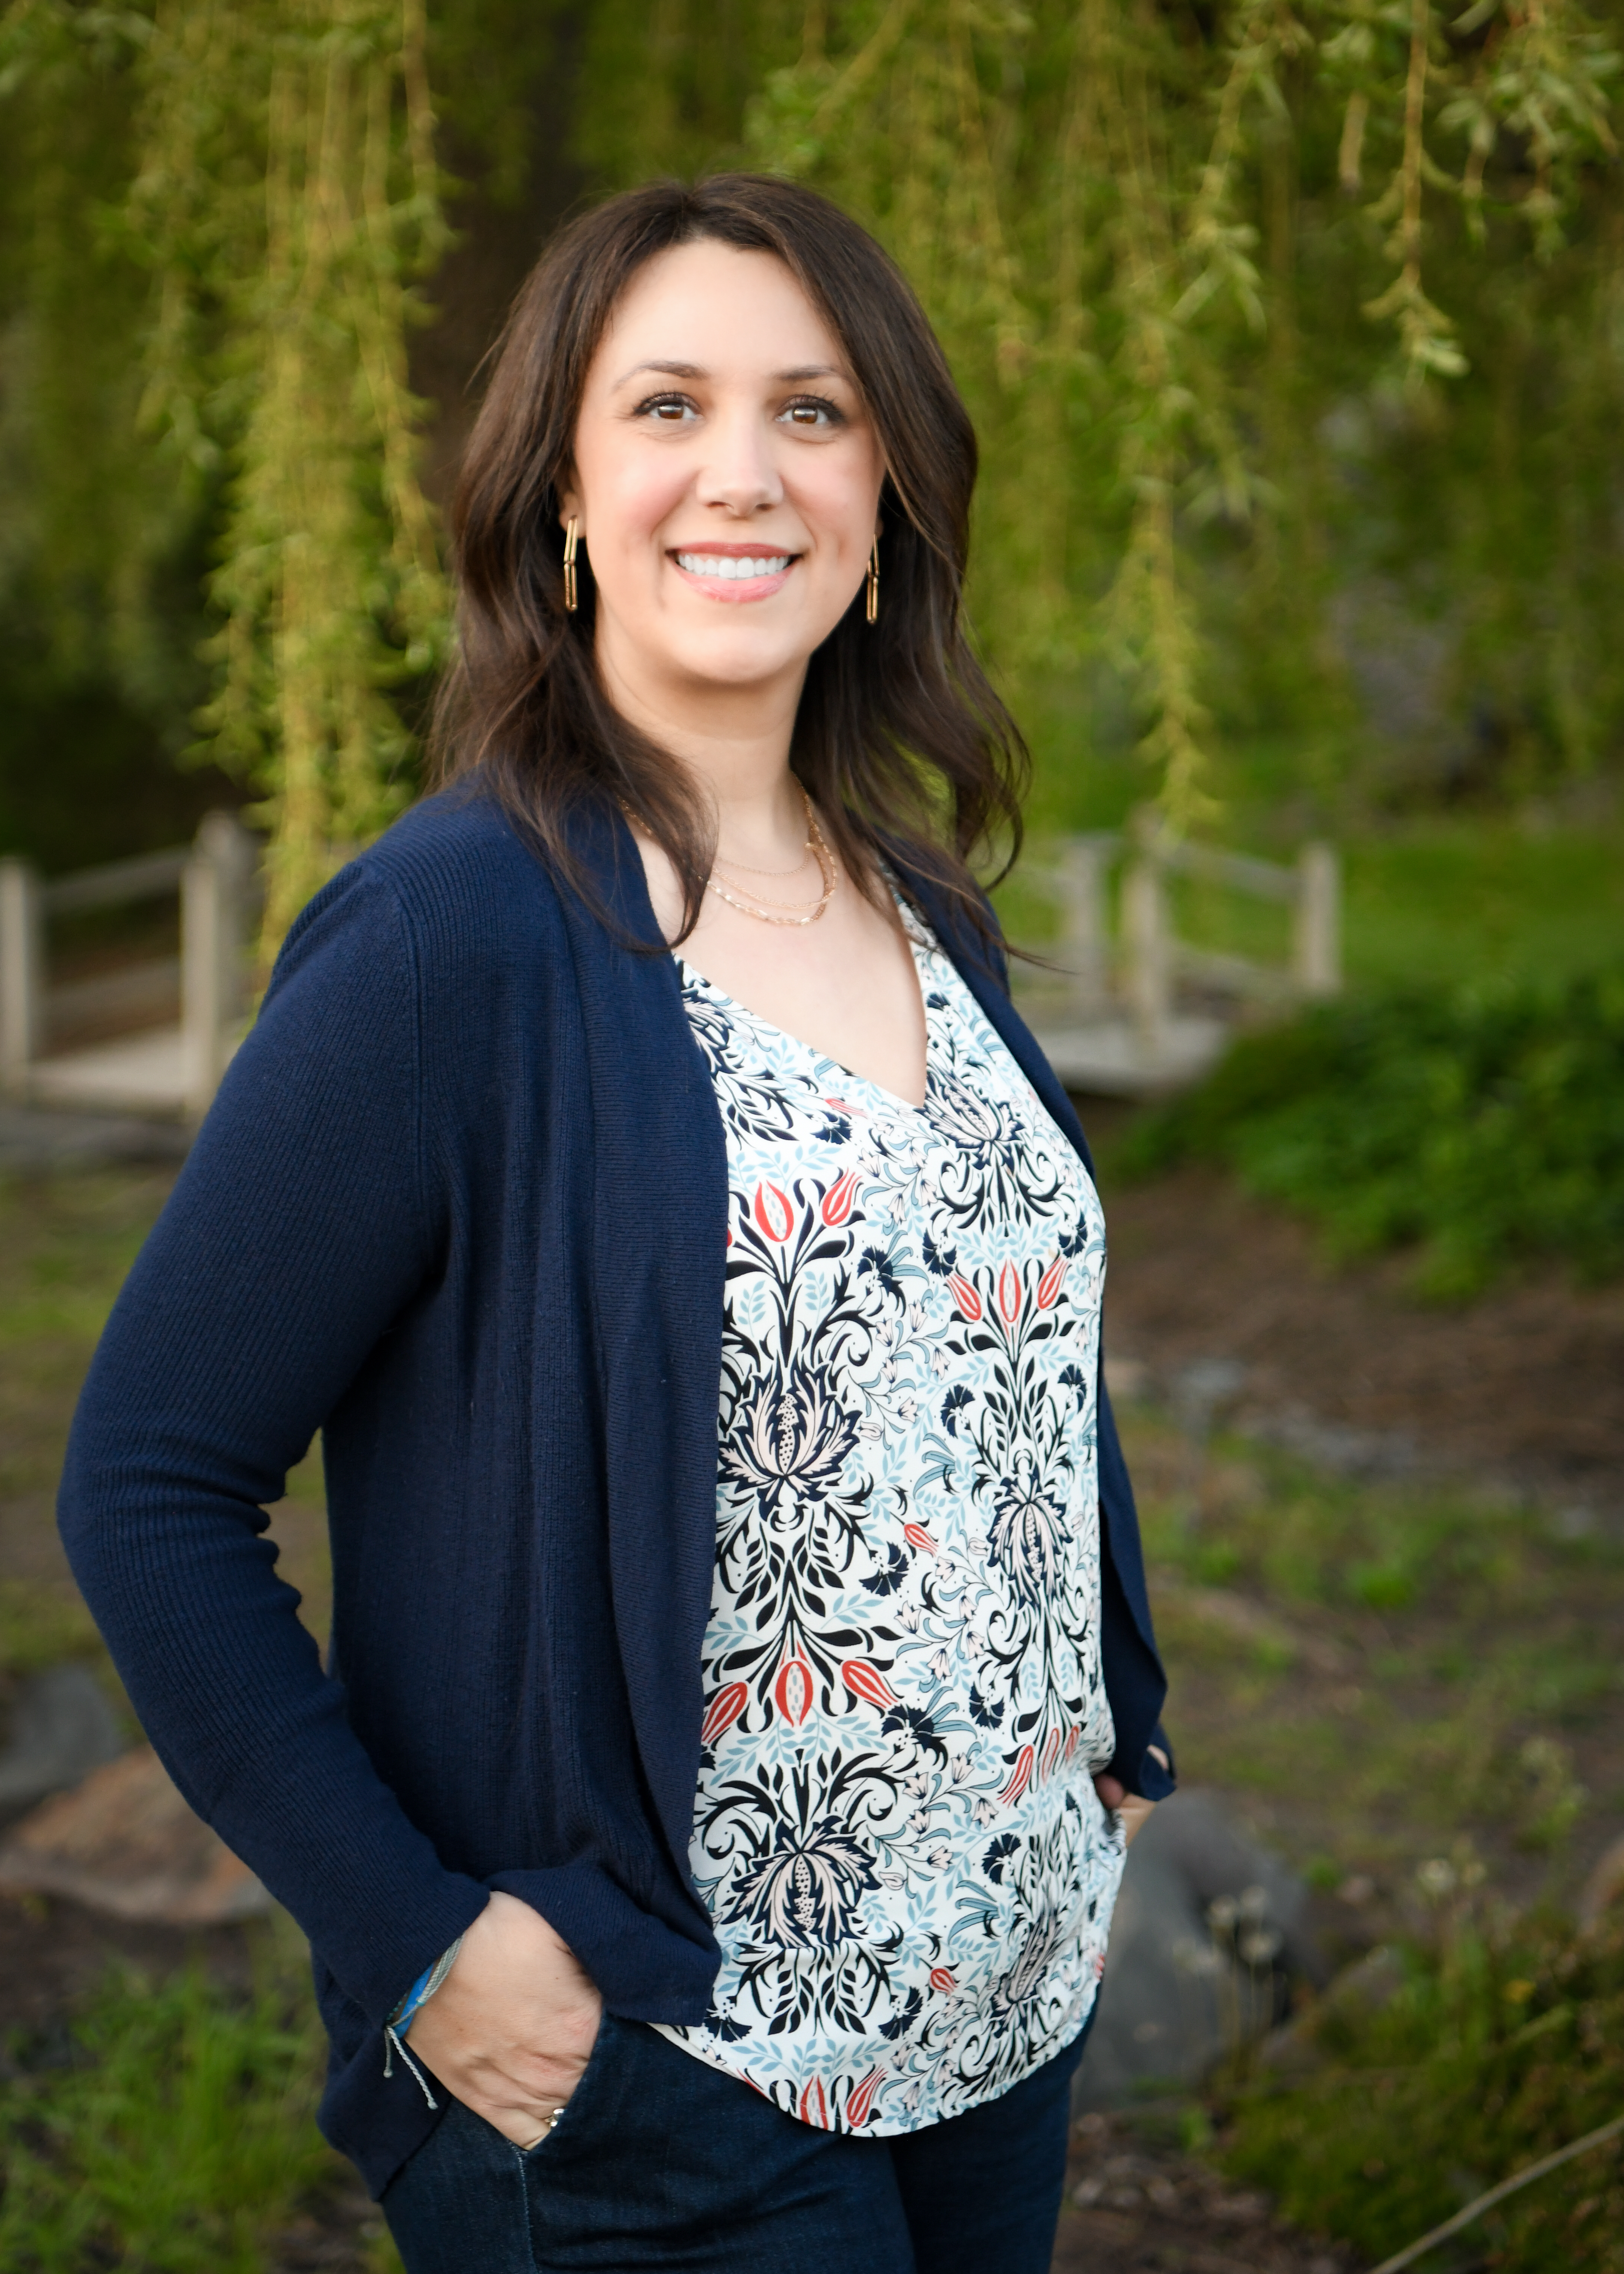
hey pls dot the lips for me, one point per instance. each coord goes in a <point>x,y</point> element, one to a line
<point>733,573</point>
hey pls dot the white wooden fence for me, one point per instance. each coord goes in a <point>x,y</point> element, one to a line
<point>168,1070</point>
<point>1115,1016</point>
<point>1110,1018</point>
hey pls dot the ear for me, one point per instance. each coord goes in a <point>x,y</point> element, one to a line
<point>568,503</point>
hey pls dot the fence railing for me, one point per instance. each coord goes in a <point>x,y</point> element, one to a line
<point>215,878</point>
<point>1136,974</point>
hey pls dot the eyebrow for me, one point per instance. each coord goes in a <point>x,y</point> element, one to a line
<point>697,371</point>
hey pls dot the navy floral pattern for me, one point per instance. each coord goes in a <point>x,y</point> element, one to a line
<point>896,1829</point>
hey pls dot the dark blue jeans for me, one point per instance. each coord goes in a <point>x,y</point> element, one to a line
<point>659,2161</point>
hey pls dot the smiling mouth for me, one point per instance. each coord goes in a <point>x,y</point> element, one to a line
<point>735,568</point>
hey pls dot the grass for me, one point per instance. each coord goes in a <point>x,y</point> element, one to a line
<point>176,2135</point>
<point>1481,1127</point>
<point>1379,1669</point>
<point>1413,1689</point>
<point>1505,2043</point>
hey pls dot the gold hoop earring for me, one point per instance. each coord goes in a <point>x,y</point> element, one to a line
<point>872,607</point>
<point>571,537</point>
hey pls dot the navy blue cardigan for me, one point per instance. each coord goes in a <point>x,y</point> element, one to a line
<point>460,1206</point>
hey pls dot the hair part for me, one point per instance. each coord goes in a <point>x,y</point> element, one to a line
<point>900,738</point>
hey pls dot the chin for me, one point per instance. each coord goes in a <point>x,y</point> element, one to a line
<point>739,655</point>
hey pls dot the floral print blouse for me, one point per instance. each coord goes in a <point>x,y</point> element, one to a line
<point>896,1829</point>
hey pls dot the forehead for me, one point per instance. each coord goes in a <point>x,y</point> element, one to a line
<point>718,308</point>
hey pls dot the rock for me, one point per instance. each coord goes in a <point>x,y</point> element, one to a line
<point>63,1726</point>
<point>126,1842</point>
<point>1208,1933</point>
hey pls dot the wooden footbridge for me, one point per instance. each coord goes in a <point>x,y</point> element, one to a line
<point>1127,1008</point>
<point>1132,1009</point>
<point>175,1020</point>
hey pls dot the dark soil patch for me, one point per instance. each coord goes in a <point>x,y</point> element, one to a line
<point>1138,2204</point>
<point>1525,1386</point>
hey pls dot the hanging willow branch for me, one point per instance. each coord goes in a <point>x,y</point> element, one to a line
<point>287,199</point>
<point>1046,179</point>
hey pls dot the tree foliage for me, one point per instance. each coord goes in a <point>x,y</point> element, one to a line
<point>1294,330</point>
<point>1220,283</point>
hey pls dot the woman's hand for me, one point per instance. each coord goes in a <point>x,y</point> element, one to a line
<point>1134,1812</point>
<point>510,2029</point>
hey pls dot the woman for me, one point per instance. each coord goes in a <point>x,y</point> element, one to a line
<point>708,1822</point>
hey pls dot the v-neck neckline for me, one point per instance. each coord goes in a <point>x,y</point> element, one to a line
<point>895,1102</point>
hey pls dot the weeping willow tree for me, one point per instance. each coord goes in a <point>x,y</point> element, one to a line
<point>1294,333</point>
<point>284,197</point>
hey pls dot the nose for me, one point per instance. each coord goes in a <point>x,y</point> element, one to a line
<point>741,473</point>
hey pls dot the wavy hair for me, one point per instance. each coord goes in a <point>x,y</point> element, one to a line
<point>900,738</point>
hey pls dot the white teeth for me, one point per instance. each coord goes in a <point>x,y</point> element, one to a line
<point>728,565</point>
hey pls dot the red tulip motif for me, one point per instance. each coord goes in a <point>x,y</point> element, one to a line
<point>838,1199</point>
<point>943,1978</point>
<point>792,1691</point>
<point>916,1536</point>
<point>861,2097</point>
<point>1074,1737</point>
<point>867,1681</point>
<point>1049,1284</point>
<point>1009,1294</point>
<point>773,1212</point>
<point>813,2105</point>
<point>1051,1748</point>
<point>965,1295</point>
<point>1021,1778</point>
<point>723,1711</point>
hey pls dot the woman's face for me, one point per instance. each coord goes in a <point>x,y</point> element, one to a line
<point>726,477</point>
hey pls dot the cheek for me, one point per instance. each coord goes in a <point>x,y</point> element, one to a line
<point>638,500</point>
<point>839,496</point>
<point>626,495</point>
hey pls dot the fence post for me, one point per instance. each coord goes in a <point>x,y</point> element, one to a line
<point>1080,873</point>
<point>202,1007</point>
<point>224,843</point>
<point>1147,939</point>
<point>22,982</point>
<point>1317,958</point>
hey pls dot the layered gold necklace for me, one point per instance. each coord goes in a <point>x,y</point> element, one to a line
<point>758,904</point>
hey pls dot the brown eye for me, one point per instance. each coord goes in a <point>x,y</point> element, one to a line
<point>811,412</point>
<point>669,409</point>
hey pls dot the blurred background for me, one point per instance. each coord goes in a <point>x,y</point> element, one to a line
<point>1294,338</point>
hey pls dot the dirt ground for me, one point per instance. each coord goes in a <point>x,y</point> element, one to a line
<point>1524,1387</point>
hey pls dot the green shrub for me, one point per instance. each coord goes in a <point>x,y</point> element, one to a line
<point>1480,1126</point>
<point>1501,2047</point>
<point>177,2136</point>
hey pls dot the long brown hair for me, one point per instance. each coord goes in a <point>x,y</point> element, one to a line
<point>898,737</point>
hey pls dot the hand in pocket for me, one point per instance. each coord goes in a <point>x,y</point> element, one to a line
<point>512,2026</point>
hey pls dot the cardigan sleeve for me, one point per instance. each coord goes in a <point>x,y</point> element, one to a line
<point>299,1228</point>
